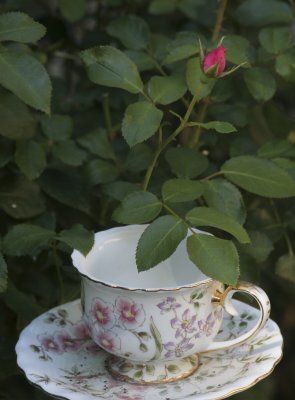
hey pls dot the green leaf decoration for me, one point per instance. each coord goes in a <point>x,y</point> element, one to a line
<point>109,66</point>
<point>261,83</point>
<point>3,274</point>
<point>22,127</point>
<point>285,267</point>
<point>238,49</point>
<point>259,248</point>
<point>26,77</point>
<point>69,153</point>
<point>72,10</point>
<point>57,127</point>
<point>225,197</point>
<point>159,240</point>
<point>197,82</point>
<point>166,89</point>
<point>19,27</point>
<point>185,162</point>
<point>157,338</point>
<point>66,187</point>
<point>138,208</point>
<point>26,239</point>
<point>263,12</point>
<point>275,40</point>
<point>119,190</point>
<point>20,198</point>
<point>30,158</point>
<point>77,238</point>
<point>218,126</point>
<point>206,216</point>
<point>141,121</point>
<point>181,190</point>
<point>173,368</point>
<point>259,176</point>
<point>97,143</point>
<point>100,171</point>
<point>216,258</point>
<point>131,30</point>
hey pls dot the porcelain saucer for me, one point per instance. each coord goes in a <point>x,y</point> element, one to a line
<point>57,354</point>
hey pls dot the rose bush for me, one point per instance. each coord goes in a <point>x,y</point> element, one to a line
<point>179,114</point>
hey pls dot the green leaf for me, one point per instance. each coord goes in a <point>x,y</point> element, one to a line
<point>159,240</point>
<point>69,153</point>
<point>57,127</point>
<point>206,216</point>
<point>218,126</point>
<point>77,238</point>
<point>285,267</point>
<point>197,82</point>
<point>30,158</point>
<point>157,338</point>
<point>259,248</point>
<point>276,148</point>
<point>166,89</point>
<point>141,121</point>
<point>3,274</point>
<point>22,127</point>
<point>285,66</point>
<point>100,171</point>
<point>225,197</point>
<point>26,77</point>
<point>237,113</point>
<point>26,239</point>
<point>238,49</point>
<point>185,162</point>
<point>19,27</point>
<point>143,61</point>
<point>181,190</point>
<point>20,198</point>
<point>138,208</point>
<point>263,12</point>
<point>120,189</point>
<point>275,40</point>
<point>97,143</point>
<point>109,66</point>
<point>160,7</point>
<point>261,83</point>
<point>131,30</point>
<point>72,10</point>
<point>6,151</point>
<point>259,176</point>
<point>216,258</point>
<point>66,187</point>
<point>181,52</point>
<point>139,157</point>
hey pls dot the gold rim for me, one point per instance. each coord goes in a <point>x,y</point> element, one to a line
<point>126,378</point>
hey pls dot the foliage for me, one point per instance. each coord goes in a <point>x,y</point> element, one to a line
<point>106,117</point>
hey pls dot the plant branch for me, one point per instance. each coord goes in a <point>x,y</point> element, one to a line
<point>202,115</point>
<point>107,116</point>
<point>219,20</point>
<point>168,141</point>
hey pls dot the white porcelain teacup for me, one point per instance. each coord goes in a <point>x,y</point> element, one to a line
<point>154,323</point>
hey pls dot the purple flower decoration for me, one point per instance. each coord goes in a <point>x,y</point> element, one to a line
<point>50,344</point>
<point>102,313</point>
<point>185,325</point>
<point>206,326</point>
<point>131,315</point>
<point>81,331</point>
<point>92,347</point>
<point>177,349</point>
<point>66,342</point>
<point>108,341</point>
<point>168,304</point>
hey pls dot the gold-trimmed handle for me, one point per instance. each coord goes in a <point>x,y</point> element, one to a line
<point>224,299</point>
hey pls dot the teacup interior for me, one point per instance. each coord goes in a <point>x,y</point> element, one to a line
<point>112,261</point>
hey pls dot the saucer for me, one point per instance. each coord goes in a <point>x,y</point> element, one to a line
<point>56,354</point>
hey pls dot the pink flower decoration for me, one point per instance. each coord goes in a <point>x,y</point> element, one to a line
<point>49,343</point>
<point>131,315</point>
<point>66,342</point>
<point>81,331</point>
<point>216,58</point>
<point>102,313</point>
<point>108,341</point>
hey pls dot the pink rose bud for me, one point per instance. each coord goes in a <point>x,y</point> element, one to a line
<point>214,62</point>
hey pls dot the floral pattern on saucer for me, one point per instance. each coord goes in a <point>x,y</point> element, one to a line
<point>56,353</point>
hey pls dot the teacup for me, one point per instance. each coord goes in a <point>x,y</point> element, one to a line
<point>154,323</point>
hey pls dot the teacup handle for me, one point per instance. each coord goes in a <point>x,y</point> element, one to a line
<point>224,299</point>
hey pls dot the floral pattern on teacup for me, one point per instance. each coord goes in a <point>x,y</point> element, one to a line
<point>130,314</point>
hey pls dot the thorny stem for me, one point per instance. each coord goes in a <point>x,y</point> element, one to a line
<point>220,15</point>
<point>202,114</point>
<point>169,140</point>
<point>58,274</point>
<point>286,236</point>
